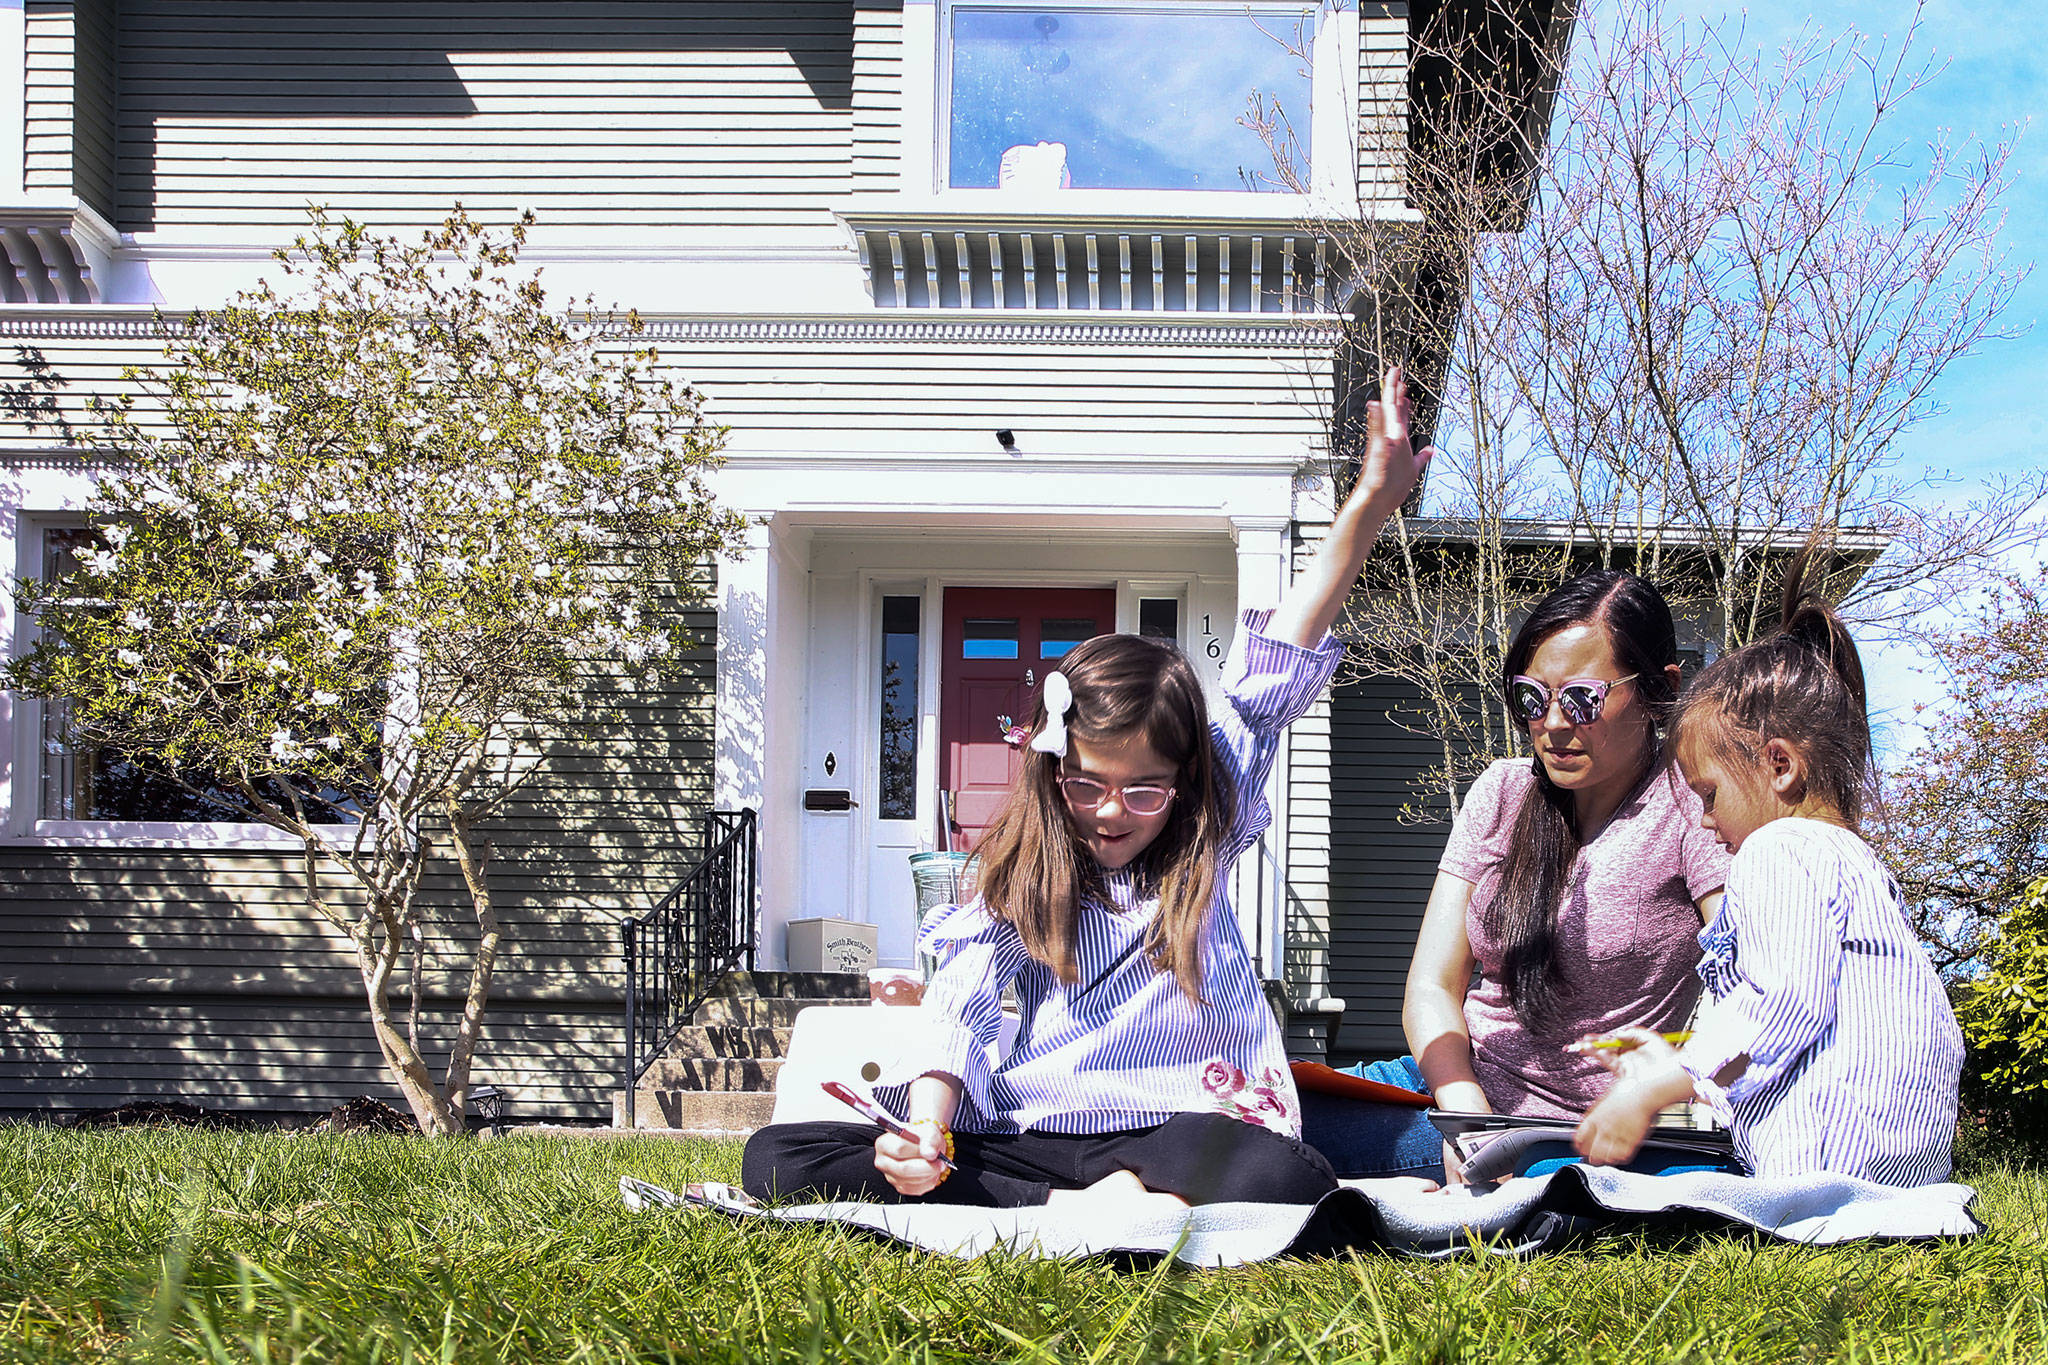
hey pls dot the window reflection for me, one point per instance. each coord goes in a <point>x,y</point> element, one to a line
<point>1159,618</point>
<point>1127,98</point>
<point>899,708</point>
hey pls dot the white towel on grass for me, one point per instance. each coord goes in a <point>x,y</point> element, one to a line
<point>1515,1217</point>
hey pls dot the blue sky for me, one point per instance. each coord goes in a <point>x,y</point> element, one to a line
<point>1993,78</point>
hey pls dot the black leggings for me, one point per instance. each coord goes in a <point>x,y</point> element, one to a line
<point>1203,1158</point>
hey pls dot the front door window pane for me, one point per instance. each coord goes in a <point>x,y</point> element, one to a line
<point>1058,635</point>
<point>1150,97</point>
<point>990,638</point>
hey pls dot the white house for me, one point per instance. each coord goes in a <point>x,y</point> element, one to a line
<point>1018,341</point>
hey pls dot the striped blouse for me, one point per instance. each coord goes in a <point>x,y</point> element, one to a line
<point>1854,1053</point>
<point>1122,1047</point>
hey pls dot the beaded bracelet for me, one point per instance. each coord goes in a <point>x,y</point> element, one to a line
<point>945,1136</point>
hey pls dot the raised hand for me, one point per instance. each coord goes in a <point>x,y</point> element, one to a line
<point>1391,465</point>
<point>1387,472</point>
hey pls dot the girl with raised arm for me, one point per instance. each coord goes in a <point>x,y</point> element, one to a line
<point>1149,1058</point>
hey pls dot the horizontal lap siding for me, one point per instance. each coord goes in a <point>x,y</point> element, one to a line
<point>878,134</point>
<point>1381,868</point>
<point>95,116</point>
<point>609,826</point>
<point>1383,105</point>
<point>911,396</point>
<point>732,115</point>
<point>49,99</point>
<point>803,394</point>
<point>297,1054</point>
<point>68,100</point>
<point>214,957</point>
<point>1307,961</point>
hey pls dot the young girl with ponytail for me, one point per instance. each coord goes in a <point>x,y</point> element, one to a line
<point>1829,1044</point>
<point>1149,1059</point>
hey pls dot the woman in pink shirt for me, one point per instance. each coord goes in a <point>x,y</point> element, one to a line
<point>1575,882</point>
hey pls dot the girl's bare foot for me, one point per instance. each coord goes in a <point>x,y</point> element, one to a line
<point>1124,1187</point>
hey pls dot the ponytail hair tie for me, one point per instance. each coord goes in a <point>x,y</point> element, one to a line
<point>1059,699</point>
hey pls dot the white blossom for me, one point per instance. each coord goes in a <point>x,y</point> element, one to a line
<point>325,698</point>
<point>284,748</point>
<point>128,658</point>
<point>135,619</point>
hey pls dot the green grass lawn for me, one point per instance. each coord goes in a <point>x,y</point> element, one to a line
<point>180,1245</point>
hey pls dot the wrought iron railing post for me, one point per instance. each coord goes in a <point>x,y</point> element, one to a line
<point>632,928</point>
<point>749,908</point>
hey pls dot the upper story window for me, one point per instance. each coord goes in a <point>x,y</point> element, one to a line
<point>1131,96</point>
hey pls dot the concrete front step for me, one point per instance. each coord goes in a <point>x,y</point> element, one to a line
<point>808,985</point>
<point>759,1011</point>
<point>712,1074</point>
<point>705,1113</point>
<point>728,1040</point>
<point>717,1077</point>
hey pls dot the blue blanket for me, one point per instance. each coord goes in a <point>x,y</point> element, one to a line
<point>1515,1217</point>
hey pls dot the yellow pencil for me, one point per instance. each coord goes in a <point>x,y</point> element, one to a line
<point>1679,1039</point>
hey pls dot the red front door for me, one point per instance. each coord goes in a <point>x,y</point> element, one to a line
<point>999,645</point>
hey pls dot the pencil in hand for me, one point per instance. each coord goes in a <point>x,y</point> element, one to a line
<point>1609,1043</point>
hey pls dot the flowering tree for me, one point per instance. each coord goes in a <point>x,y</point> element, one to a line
<point>1966,815</point>
<point>1688,307</point>
<point>350,545</point>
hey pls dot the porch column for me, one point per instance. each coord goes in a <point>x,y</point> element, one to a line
<point>754,732</point>
<point>1260,889</point>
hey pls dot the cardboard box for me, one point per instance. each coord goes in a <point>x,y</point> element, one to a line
<point>830,945</point>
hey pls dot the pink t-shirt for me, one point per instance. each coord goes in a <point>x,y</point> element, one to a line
<point>1627,934</point>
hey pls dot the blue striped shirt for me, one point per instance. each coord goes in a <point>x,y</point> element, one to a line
<point>1123,1047</point>
<point>1854,1053</point>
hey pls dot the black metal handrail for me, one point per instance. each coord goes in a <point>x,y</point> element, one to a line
<point>695,934</point>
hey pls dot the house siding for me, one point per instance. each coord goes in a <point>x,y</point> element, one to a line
<point>1382,106</point>
<point>1380,866</point>
<point>157,974</point>
<point>878,133</point>
<point>607,114</point>
<point>68,100</point>
<point>1068,386</point>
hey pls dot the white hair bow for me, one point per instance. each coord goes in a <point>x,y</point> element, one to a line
<point>1059,698</point>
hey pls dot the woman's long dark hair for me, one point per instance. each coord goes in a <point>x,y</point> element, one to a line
<point>1523,914</point>
<point>1034,871</point>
